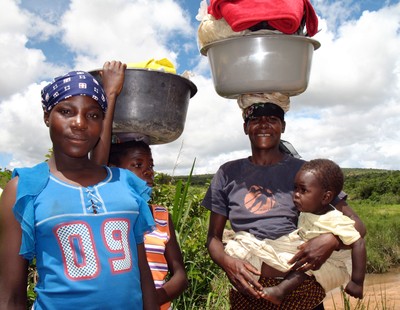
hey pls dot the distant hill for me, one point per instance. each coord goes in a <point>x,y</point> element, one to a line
<point>202,179</point>
<point>197,180</point>
<point>361,171</point>
<point>375,185</point>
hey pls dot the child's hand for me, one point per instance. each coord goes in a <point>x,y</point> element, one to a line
<point>354,289</point>
<point>113,75</point>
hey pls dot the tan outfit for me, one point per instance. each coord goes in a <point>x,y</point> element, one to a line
<point>276,253</point>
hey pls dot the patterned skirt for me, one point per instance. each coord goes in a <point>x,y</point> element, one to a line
<point>306,297</point>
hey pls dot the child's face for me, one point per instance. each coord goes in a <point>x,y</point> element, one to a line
<point>308,194</point>
<point>140,162</point>
<point>75,126</point>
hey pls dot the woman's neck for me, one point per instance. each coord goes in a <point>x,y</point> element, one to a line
<point>69,164</point>
<point>266,157</point>
<point>77,171</point>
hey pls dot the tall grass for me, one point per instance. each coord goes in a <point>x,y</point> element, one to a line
<point>375,302</point>
<point>383,234</point>
<point>191,224</point>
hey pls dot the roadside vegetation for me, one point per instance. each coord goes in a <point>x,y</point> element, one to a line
<point>373,194</point>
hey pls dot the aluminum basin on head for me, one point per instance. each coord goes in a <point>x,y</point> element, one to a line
<point>260,64</point>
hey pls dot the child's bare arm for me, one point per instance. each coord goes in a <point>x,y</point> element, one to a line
<point>113,75</point>
<point>178,281</point>
<point>359,261</point>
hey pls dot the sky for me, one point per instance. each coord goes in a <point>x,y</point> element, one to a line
<point>349,113</point>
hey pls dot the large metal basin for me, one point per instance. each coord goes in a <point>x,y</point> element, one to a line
<point>152,106</point>
<point>260,64</point>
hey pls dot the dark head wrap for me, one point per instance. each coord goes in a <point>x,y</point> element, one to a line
<point>74,83</point>
<point>263,109</point>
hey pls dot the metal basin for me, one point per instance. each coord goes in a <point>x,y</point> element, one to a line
<point>152,106</point>
<point>260,64</point>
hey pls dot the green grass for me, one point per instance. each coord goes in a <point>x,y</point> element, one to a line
<point>383,234</point>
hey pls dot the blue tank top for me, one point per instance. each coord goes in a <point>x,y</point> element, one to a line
<point>86,243</point>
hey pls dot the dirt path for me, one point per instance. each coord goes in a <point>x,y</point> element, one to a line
<point>378,290</point>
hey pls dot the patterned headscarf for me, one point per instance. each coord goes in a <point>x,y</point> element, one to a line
<point>74,83</point>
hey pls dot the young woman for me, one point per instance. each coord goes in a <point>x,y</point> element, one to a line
<point>82,222</point>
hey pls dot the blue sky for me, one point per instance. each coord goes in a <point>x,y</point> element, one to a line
<point>349,113</point>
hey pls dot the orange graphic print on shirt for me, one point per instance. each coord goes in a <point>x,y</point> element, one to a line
<point>259,200</point>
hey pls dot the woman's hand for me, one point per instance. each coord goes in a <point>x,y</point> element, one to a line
<point>314,252</point>
<point>241,275</point>
<point>113,75</point>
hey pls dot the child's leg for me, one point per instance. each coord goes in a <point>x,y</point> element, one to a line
<point>276,294</point>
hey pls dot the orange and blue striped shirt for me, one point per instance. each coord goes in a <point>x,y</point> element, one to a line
<point>155,243</point>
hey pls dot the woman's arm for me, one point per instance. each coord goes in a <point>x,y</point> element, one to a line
<point>13,268</point>
<point>239,272</point>
<point>178,281</point>
<point>113,75</point>
<point>149,293</point>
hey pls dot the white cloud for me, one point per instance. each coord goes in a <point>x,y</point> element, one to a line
<point>349,113</point>
<point>354,90</point>
<point>19,64</point>
<point>23,133</point>
<point>213,130</point>
<point>129,31</point>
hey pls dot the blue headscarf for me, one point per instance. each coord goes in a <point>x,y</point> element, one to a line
<point>74,83</point>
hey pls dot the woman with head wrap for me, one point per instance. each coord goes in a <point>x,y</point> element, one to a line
<point>82,222</point>
<point>255,195</point>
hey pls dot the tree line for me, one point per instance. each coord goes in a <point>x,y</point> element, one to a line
<point>374,185</point>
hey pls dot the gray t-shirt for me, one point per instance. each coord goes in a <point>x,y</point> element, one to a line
<point>257,199</point>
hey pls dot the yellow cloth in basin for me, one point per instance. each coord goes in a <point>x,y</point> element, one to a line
<point>160,65</point>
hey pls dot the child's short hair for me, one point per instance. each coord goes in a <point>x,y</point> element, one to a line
<point>328,173</point>
<point>119,150</point>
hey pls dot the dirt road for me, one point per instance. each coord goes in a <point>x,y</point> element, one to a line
<point>381,291</point>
